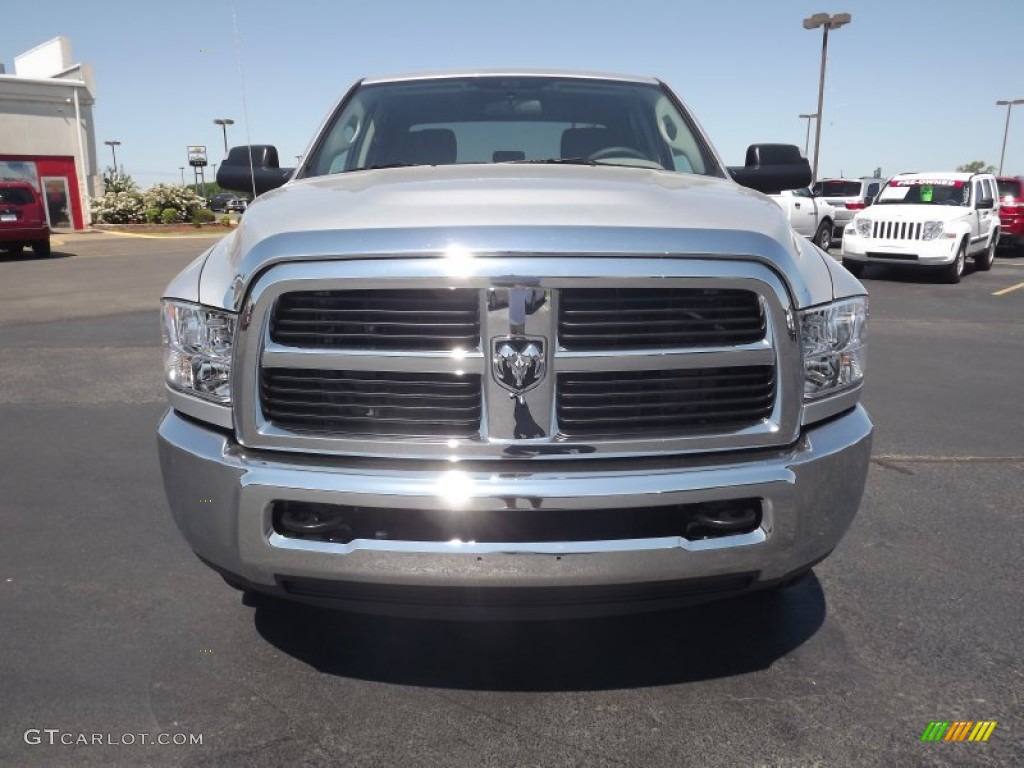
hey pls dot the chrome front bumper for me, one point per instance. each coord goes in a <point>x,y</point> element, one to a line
<point>221,495</point>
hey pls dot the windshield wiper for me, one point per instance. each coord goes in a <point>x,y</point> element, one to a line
<point>558,161</point>
<point>382,165</point>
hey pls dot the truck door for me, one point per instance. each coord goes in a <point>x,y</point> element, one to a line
<point>803,212</point>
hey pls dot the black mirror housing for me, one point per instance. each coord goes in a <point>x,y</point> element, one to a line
<point>771,168</point>
<point>253,167</point>
<point>986,203</point>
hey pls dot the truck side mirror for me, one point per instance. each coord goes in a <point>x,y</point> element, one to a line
<point>986,203</point>
<point>771,168</point>
<point>252,168</point>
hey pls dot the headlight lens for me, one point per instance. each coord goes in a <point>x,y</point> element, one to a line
<point>863,227</point>
<point>197,350</point>
<point>931,230</point>
<point>833,339</point>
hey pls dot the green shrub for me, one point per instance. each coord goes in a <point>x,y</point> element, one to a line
<point>170,216</point>
<point>203,216</point>
<point>225,220</point>
<point>152,215</point>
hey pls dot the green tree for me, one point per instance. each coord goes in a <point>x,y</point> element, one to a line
<point>976,166</point>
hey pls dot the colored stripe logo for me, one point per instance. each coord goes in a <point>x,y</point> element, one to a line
<point>958,730</point>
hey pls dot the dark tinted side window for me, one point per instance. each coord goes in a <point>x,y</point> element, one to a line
<point>1010,188</point>
<point>16,196</point>
<point>840,189</point>
<point>872,190</point>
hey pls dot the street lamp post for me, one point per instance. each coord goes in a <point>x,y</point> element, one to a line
<point>182,169</point>
<point>1006,131</point>
<point>826,22</point>
<point>224,122</point>
<point>807,141</point>
<point>113,150</point>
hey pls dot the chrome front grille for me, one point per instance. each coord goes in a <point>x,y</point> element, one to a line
<point>371,403</point>
<point>633,318</point>
<point>664,402</point>
<point>409,319</point>
<point>896,230</point>
<point>618,357</point>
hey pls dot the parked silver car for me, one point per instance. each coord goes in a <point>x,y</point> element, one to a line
<point>847,196</point>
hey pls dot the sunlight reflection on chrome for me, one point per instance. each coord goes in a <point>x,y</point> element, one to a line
<point>458,261</point>
<point>454,488</point>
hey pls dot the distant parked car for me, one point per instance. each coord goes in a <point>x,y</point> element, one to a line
<point>847,196</point>
<point>936,220</point>
<point>219,202</point>
<point>22,219</point>
<point>237,205</point>
<point>1011,212</point>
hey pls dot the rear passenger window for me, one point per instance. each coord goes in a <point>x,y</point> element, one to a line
<point>16,196</point>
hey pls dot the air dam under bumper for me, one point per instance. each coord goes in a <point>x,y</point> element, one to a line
<point>221,496</point>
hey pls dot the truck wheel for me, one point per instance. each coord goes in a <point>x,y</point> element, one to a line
<point>983,263</point>
<point>41,248</point>
<point>953,272</point>
<point>823,237</point>
<point>855,268</point>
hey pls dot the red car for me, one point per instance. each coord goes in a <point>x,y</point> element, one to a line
<point>22,220</point>
<point>1011,212</point>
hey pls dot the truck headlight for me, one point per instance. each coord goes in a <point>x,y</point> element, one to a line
<point>833,340</point>
<point>197,349</point>
<point>931,230</point>
<point>863,227</point>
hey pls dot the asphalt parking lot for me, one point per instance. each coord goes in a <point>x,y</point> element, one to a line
<point>112,627</point>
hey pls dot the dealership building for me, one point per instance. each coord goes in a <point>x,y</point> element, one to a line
<point>47,135</point>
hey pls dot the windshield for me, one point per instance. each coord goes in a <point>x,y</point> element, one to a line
<point>923,192</point>
<point>522,119</point>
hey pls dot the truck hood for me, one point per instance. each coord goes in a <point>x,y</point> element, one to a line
<point>423,210</point>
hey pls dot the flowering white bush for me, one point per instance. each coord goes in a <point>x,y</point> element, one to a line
<point>123,203</point>
<point>118,207</point>
<point>179,198</point>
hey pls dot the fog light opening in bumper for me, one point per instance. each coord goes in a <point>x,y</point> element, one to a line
<point>323,522</point>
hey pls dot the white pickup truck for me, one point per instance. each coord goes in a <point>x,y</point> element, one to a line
<point>810,216</point>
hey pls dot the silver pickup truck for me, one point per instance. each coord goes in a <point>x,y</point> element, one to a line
<point>513,343</point>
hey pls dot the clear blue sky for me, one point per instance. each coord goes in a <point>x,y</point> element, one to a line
<point>911,84</point>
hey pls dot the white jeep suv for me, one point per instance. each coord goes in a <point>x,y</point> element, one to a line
<point>929,219</point>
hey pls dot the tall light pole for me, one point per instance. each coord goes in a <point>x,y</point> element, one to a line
<point>224,122</point>
<point>1006,131</point>
<point>807,141</point>
<point>182,169</point>
<point>113,149</point>
<point>826,22</point>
